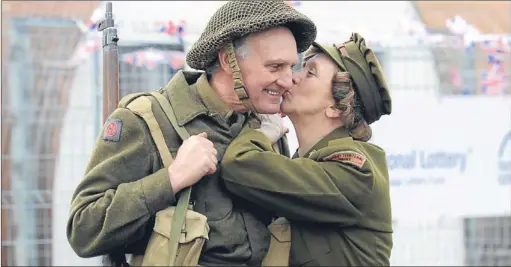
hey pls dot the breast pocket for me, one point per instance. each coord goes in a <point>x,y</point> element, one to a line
<point>210,198</point>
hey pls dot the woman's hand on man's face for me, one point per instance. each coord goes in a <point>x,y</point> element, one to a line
<point>272,126</point>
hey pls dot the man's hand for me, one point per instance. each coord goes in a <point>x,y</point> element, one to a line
<point>197,157</point>
<point>272,126</point>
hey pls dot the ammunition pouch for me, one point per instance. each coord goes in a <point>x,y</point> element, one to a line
<point>191,240</point>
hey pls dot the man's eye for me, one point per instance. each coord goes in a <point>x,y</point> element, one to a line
<point>275,66</point>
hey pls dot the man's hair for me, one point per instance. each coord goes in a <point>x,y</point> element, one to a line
<point>242,50</point>
<point>347,100</point>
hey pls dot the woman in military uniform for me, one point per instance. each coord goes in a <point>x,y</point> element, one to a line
<point>335,189</point>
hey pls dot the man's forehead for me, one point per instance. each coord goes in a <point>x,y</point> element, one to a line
<point>281,60</point>
<point>277,51</point>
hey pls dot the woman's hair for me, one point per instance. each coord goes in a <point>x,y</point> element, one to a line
<point>347,100</point>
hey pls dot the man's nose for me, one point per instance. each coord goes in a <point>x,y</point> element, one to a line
<point>286,80</point>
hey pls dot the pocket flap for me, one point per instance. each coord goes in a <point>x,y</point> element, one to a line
<point>281,229</point>
<point>196,225</point>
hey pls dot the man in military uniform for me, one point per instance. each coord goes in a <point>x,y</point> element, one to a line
<point>248,46</point>
<point>335,190</point>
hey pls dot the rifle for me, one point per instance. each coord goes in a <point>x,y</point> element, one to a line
<point>110,93</point>
<point>110,63</point>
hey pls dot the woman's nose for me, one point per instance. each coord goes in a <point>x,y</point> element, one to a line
<point>297,77</point>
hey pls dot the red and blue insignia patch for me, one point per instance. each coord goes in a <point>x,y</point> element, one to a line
<point>349,157</point>
<point>112,130</point>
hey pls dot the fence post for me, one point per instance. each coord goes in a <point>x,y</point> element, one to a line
<point>22,172</point>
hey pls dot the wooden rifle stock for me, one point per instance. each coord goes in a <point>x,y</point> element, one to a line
<point>110,63</point>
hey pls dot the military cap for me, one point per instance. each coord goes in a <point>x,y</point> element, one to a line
<point>238,18</point>
<point>366,72</point>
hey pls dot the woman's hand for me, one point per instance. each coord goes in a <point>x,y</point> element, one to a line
<point>272,126</point>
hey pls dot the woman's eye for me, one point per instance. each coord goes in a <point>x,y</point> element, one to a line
<point>310,73</point>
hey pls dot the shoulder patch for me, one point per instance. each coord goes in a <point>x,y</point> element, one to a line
<point>112,131</point>
<point>349,157</point>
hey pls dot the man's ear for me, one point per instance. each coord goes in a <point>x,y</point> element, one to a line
<point>333,112</point>
<point>223,60</point>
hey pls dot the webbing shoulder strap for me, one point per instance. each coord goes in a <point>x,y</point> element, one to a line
<point>142,107</point>
<point>178,220</point>
<point>140,104</point>
<point>125,101</point>
<point>169,111</point>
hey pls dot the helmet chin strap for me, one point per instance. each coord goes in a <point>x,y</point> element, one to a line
<point>239,86</point>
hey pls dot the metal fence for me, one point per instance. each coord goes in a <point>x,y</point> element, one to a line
<point>35,110</point>
<point>50,124</point>
<point>51,121</point>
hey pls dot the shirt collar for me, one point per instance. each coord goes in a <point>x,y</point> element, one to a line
<point>338,133</point>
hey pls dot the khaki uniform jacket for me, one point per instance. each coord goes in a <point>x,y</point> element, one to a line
<point>125,183</point>
<point>336,197</point>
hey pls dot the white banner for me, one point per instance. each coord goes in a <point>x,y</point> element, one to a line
<point>449,156</point>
